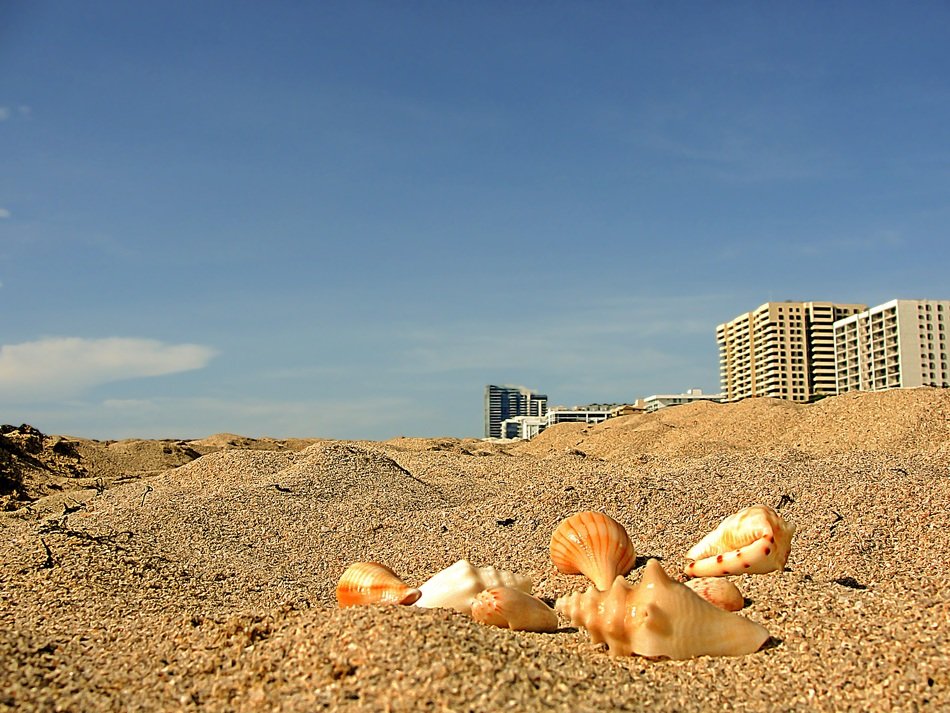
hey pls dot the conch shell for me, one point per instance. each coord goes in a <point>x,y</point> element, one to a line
<point>755,540</point>
<point>456,586</point>
<point>373,583</point>
<point>593,544</point>
<point>511,608</point>
<point>660,618</point>
<point>718,591</point>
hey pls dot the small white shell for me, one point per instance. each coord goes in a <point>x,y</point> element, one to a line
<point>455,587</point>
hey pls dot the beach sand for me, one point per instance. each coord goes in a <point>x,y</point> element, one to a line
<point>200,575</point>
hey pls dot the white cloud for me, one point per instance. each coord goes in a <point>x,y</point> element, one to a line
<point>4,113</point>
<point>4,213</point>
<point>60,366</point>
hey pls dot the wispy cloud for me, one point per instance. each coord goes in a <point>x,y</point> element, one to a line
<point>62,366</point>
<point>4,213</point>
<point>5,113</point>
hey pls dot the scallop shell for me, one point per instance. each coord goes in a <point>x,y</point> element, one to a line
<point>373,583</point>
<point>660,618</point>
<point>755,540</point>
<point>718,591</point>
<point>511,608</point>
<point>456,586</point>
<point>593,544</point>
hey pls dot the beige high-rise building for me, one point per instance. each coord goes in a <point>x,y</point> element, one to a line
<point>782,349</point>
<point>899,344</point>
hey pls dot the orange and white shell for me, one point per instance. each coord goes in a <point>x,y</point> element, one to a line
<point>513,609</point>
<point>755,540</point>
<point>373,583</point>
<point>593,544</point>
<point>660,618</point>
<point>455,587</point>
<point>718,591</point>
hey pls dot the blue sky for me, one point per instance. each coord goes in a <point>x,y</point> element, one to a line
<point>343,219</point>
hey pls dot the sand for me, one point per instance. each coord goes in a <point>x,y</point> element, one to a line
<point>208,583</point>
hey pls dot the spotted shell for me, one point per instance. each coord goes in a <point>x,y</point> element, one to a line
<point>593,544</point>
<point>718,591</point>
<point>373,583</point>
<point>513,609</point>
<point>755,540</point>
<point>456,586</point>
<point>660,618</point>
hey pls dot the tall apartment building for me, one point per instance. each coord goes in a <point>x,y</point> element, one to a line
<point>504,402</point>
<point>901,343</point>
<point>782,349</point>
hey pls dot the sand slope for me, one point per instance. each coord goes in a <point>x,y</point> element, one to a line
<point>210,586</point>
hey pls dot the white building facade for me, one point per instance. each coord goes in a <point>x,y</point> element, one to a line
<point>658,401</point>
<point>899,344</point>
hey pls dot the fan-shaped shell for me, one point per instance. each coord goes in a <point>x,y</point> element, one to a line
<point>456,586</point>
<point>511,608</point>
<point>755,540</point>
<point>660,618</point>
<point>718,591</point>
<point>373,583</point>
<point>593,544</point>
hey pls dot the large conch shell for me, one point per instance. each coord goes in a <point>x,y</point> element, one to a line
<point>755,540</point>
<point>718,591</point>
<point>660,618</point>
<point>513,609</point>
<point>373,583</point>
<point>456,586</point>
<point>593,544</point>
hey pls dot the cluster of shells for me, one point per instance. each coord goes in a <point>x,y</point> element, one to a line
<point>657,618</point>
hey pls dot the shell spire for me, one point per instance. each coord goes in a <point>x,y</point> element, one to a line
<point>456,586</point>
<point>373,583</point>
<point>593,544</point>
<point>513,609</point>
<point>660,618</point>
<point>755,540</point>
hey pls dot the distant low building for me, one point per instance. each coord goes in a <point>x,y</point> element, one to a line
<point>658,401</point>
<point>527,427</point>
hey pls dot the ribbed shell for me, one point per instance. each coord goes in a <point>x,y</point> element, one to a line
<point>373,583</point>
<point>755,540</point>
<point>719,592</point>
<point>455,587</point>
<point>593,544</point>
<point>513,609</point>
<point>660,618</point>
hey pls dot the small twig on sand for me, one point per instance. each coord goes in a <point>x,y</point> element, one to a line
<point>281,489</point>
<point>50,562</point>
<point>148,489</point>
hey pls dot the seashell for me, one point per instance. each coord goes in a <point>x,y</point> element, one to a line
<point>456,586</point>
<point>718,592</point>
<point>755,540</point>
<point>660,618</point>
<point>511,608</point>
<point>373,583</point>
<point>593,544</point>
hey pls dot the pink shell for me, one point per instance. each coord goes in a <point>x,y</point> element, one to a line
<point>718,591</point>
